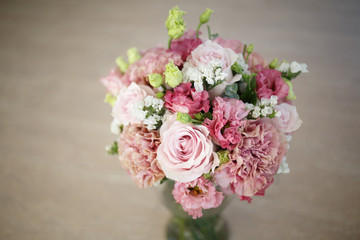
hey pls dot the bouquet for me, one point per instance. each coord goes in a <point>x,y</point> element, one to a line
<point>206,112</point>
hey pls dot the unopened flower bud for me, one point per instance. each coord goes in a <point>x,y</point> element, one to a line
<point>155,80</point>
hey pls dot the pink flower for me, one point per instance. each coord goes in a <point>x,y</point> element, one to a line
<point>186,44</point>
<point>185,99</point>
<point>186,150</point>
<point>153,61</point>
<point>113,82</point>
<point>233,44</point>
<point>137,149</point>
<point>197,195</point>
<point>254,161</point>
<point>126,104</point>
<point>255,61</point>
<point>269,82</point>
<point>289,121</point>
<point>228,118</point>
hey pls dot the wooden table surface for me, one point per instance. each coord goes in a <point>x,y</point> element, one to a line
<point>56,181</point>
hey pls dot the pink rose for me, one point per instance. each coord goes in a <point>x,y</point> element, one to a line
<point>197,195</point>
<point>209,51</point>
<point>289,121</point>
<point>113,82</point>
<point>269,82</point>
<point>185,99</point>
<point>126,104</point>
<point>186,150</point>
<point>233,44</point>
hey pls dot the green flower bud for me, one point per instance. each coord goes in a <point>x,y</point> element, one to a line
<point>223,156</point>
<point>273,63</point>
<point>291,95</point>
<point>155,80</point>
<point>175,23</point>
<point>160,95</point>
<point>173,76</point>
<point>110,99</point>
<point>250,49</point>
<point>183,117</point>
<point>133,55</point>
<point>123,66</point>
<point>205,16</point>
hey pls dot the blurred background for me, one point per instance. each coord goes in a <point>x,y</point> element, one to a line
<point>56,181</point>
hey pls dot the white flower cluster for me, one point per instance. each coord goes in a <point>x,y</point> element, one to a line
<point>153,119</point>
<point>294,67</point>
<point>212,73</point>
<point>243,64</point>
<point>264,108</point>
<point>284,167</point>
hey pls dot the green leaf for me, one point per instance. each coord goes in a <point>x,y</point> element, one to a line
<point>236,68</point>
<point>253,84</point>
<point>113,149</point>
<point>183,117</point>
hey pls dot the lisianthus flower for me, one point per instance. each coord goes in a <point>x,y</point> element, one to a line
<point>185,99</point>
<point>137,148</point>
<point>269,82</point>
<point>254,161</point>
<point>186,151</point>
<point>197,195</point>
<point>126,108</point>
<point>228,118</point>
<point>113,82</point>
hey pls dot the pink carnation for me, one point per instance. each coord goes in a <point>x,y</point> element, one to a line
<point>228,118</point>
<point>185,44</point>
<point>254,161</point>
<point>197,195</point>
<point>187,100</point>
<point>153,61</point>
<point>113,82</point>
<point>137,148</point>
<point>269,82</point>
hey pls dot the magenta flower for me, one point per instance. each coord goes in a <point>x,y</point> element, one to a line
<point>254,161</point>
<point>186,44</point>
<point>187,100</point>
<point>269,82</point>
<point>228,118</point>
<point>197,195</point>
<point>137,148</point>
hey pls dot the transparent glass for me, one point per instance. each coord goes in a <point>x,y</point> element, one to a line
<point>181,226</point>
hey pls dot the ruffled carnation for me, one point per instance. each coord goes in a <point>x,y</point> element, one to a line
<point>113,82</point>
<point>228,118</point>
<point>153,61</point>
<point>269,82</point>
<point>187,100</point>
<point>254,161</point>
<point>185,44</point>
<point>197,195</point>
<point>137,148</point>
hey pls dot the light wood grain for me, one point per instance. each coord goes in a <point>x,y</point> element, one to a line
<point>56,181</point>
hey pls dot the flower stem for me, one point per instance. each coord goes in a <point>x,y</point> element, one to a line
<point>169,43</point>
<point>198,30</point>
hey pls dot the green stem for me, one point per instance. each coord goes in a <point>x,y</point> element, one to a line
<point>169,44</point>
<point>244,50</point>
<point>209,32</point>
<point>197,30</point>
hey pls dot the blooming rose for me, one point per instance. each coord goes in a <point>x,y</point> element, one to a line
<point>269,82</point>
<point>185,99</point>
<point>228,117</point>
<point>289,120</point>
<point>186,150</point>
<point>254,161</point>
<point>197,195</point>
<point>185,44</point>
<point>113,82</point>
<point>209,51</point>
<point>137,149</point>
<point>126,105</point>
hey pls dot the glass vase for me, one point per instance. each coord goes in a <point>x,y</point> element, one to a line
<point>181,226</point>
